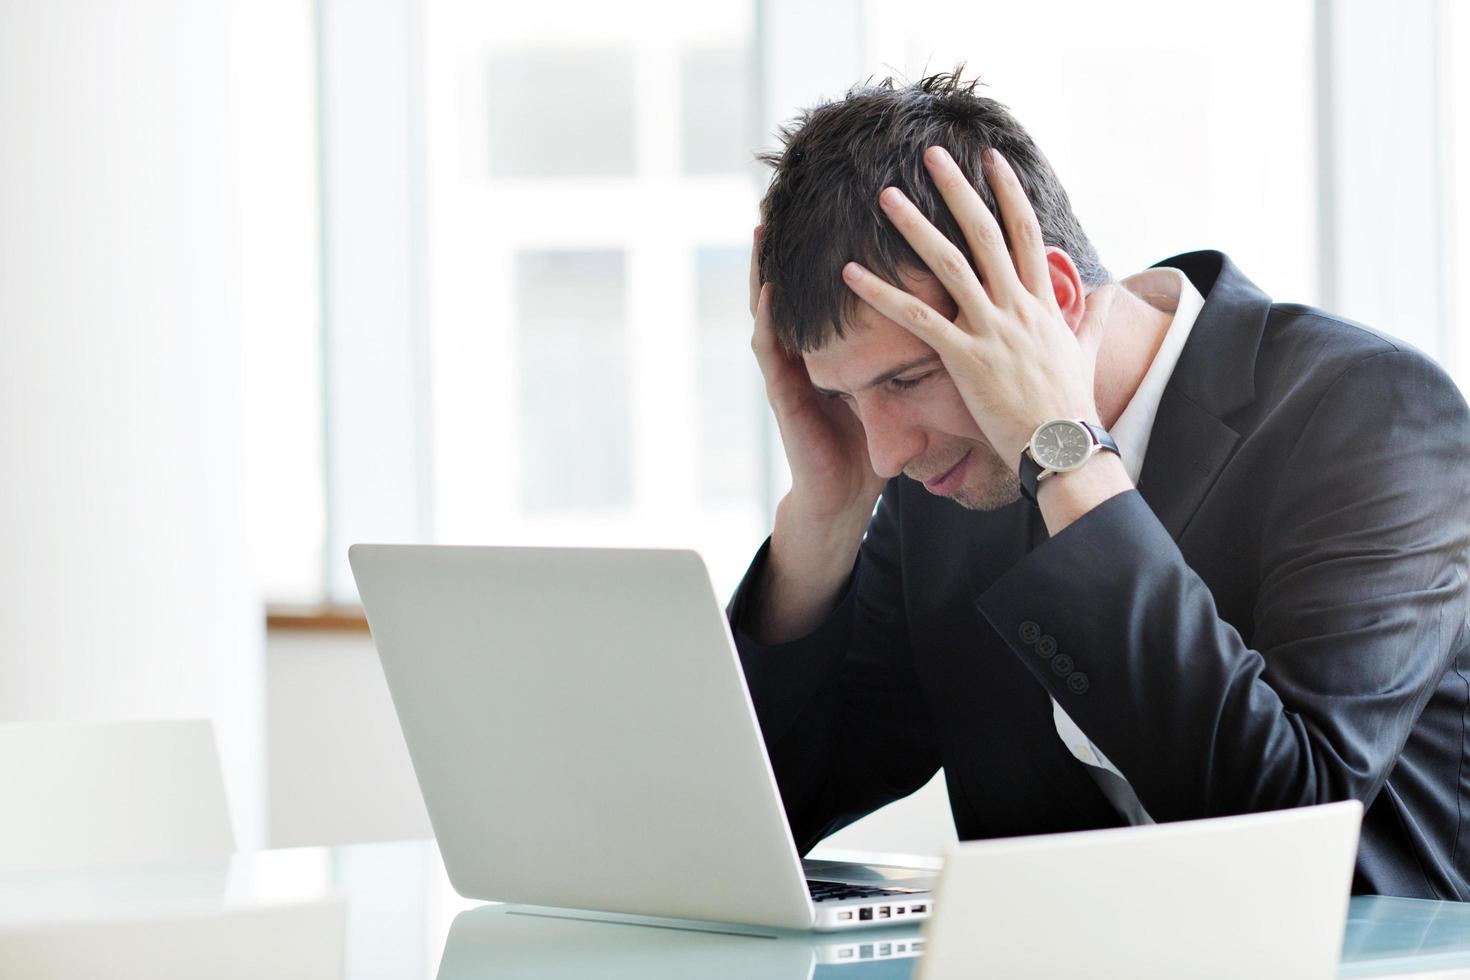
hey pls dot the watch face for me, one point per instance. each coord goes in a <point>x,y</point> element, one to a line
<point>1061,445</point>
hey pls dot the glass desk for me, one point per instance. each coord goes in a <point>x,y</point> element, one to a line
<point>403,921</point>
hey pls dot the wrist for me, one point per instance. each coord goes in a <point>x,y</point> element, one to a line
<point>819,543</point>
<point>807,565</point>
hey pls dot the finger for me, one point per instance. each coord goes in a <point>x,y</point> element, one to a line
<point>1028,250</point>
<point>755,269</point>
<point>770,354</point>
<point>763,338</point>
<point>942,256</point>
<point>784,372</point>
<point>902,308</point>
<point>982,233</point>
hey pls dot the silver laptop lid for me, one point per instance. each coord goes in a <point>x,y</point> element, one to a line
<point>1262,895</point>
<point>581,731</point>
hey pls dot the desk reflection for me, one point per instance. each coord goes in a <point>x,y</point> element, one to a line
<point>520,941</point>
<point>1391,936</point>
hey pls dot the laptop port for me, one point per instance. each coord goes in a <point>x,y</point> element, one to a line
<point>865,951</point>
<point>920,908</point>
<point>865,914</point>
<point>884,912</point>
<point>844,916</point>
<point>899,910</point>
<point>885,950</point>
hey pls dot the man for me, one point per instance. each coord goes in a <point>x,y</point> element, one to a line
<point>1256,600</point>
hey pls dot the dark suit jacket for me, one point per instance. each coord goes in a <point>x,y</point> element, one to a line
<point>1276,617</point>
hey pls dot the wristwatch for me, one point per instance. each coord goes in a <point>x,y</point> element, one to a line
<point>1060,446</point>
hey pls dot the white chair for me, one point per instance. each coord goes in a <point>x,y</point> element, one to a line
<point>115,847</point>
<point>85,794</point>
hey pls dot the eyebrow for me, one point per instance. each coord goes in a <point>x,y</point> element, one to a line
<point>888,375</point>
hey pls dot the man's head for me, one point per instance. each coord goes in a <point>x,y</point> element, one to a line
<point>821,208</point>
<point>821,211</point>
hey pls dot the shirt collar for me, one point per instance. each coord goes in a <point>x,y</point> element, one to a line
<point>1165,289</point>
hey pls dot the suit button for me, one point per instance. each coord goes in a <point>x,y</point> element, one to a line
<point>1046,647</point>
<point>1078,683</point>
<point>1061,664</point>
<point>1029,632</point>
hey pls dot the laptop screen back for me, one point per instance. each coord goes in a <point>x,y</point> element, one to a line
<point>581,731</point>
<point>1260,895</point>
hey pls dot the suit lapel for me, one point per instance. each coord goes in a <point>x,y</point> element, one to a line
<point>1191,441</point>
<point>1186,452</point>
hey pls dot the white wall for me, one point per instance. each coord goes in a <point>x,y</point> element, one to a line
<point>123,590</point>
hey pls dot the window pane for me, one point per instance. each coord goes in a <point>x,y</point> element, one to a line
<point>717,87</point>
<point>558,112</point>
<point>573,374</point>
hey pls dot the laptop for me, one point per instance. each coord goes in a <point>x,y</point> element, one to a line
<point>1263,895</point>
<point>583,737</point>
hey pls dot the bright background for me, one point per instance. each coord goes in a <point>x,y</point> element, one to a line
<point>280,276</point>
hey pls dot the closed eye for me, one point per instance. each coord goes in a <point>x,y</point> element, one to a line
<point>904,384</point>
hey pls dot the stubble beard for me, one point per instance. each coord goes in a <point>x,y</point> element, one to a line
<point>992,484</point>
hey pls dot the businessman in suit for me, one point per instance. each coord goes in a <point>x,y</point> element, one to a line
<point>1108,551</point>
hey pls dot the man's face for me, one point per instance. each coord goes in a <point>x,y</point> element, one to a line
<point>914,419</point>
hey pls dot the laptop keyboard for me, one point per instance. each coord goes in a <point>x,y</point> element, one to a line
<point>831,891</point>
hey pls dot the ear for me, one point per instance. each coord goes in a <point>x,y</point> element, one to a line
<point>1066,286</point>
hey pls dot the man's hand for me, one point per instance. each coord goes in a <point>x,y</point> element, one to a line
<point>1009,350</point>
<point>820,522</point>
<point>831,477</point>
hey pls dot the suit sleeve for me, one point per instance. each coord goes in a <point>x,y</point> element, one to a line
<point>1361,604</point>
<point>840,709</point>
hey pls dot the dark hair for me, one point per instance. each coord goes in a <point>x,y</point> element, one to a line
<point>821,208</point>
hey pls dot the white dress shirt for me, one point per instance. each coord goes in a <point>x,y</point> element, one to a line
<point>1170,291</point>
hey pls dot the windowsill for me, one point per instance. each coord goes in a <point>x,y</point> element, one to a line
<point>315,619</point>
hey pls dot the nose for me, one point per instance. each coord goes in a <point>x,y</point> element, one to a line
<point>893,438</point>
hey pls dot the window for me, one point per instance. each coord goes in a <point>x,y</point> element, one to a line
<point>1172,128</point>
<point>590,201</point>
<point>571,351</point>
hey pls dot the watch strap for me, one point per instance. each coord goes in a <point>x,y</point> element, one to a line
<point>1030,475</point>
